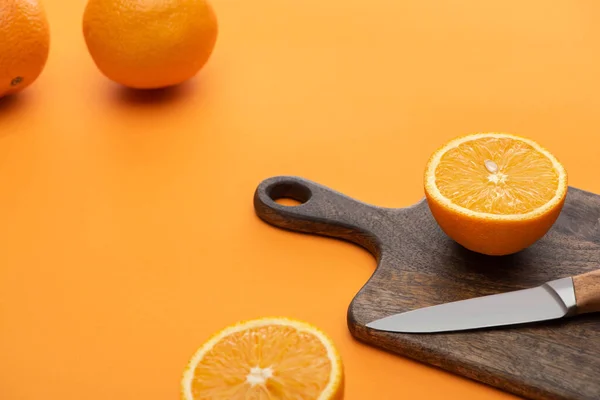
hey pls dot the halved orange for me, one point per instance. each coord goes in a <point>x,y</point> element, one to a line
<point>495,193</point>
<point>263,359</point>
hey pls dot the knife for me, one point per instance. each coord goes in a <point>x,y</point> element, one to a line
<point>555,299</point>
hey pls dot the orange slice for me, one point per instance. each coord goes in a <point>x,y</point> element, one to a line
<point>264,359</point>
<point>495,193</point>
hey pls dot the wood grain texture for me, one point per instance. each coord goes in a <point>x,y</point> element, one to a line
<point>418,265</point>
<point>587,292</point>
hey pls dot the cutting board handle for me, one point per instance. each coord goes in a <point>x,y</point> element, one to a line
<point>322,211</point>
<point>587,292</point>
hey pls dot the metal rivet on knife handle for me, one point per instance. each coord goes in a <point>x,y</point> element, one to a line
<point>587,292</point>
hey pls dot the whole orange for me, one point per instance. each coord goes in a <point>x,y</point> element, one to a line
<point>24,44</point>
<point>149,44</point>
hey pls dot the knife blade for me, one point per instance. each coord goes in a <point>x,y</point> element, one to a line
<point>554,299</point>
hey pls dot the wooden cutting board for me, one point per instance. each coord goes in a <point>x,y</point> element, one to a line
<point>418,265</point>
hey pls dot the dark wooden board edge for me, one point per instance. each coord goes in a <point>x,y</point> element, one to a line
<point>494,379</point>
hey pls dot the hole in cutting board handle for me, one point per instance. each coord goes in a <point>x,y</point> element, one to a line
<point>289,193</point>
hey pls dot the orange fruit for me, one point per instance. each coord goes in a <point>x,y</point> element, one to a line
<point>24,44</point>
<point>495,193</point>
<point>149,44</point>
<point>265,358</point>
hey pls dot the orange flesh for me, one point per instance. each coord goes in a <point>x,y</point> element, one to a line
<point>525,178</point>
<point>299,363</point>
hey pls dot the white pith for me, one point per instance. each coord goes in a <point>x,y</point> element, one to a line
<point>258,375</point>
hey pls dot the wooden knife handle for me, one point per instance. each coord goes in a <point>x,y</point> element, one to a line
<point>587,292</point>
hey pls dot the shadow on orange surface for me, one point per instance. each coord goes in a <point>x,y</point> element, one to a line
<point>11,109</point>
<point>10,103</point>
<point>152,97</point>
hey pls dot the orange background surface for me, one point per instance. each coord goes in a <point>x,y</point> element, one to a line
<point>128,232</point>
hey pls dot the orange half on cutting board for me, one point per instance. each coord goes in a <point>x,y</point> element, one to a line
<point>495,193</point>
<point>262,359</point>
